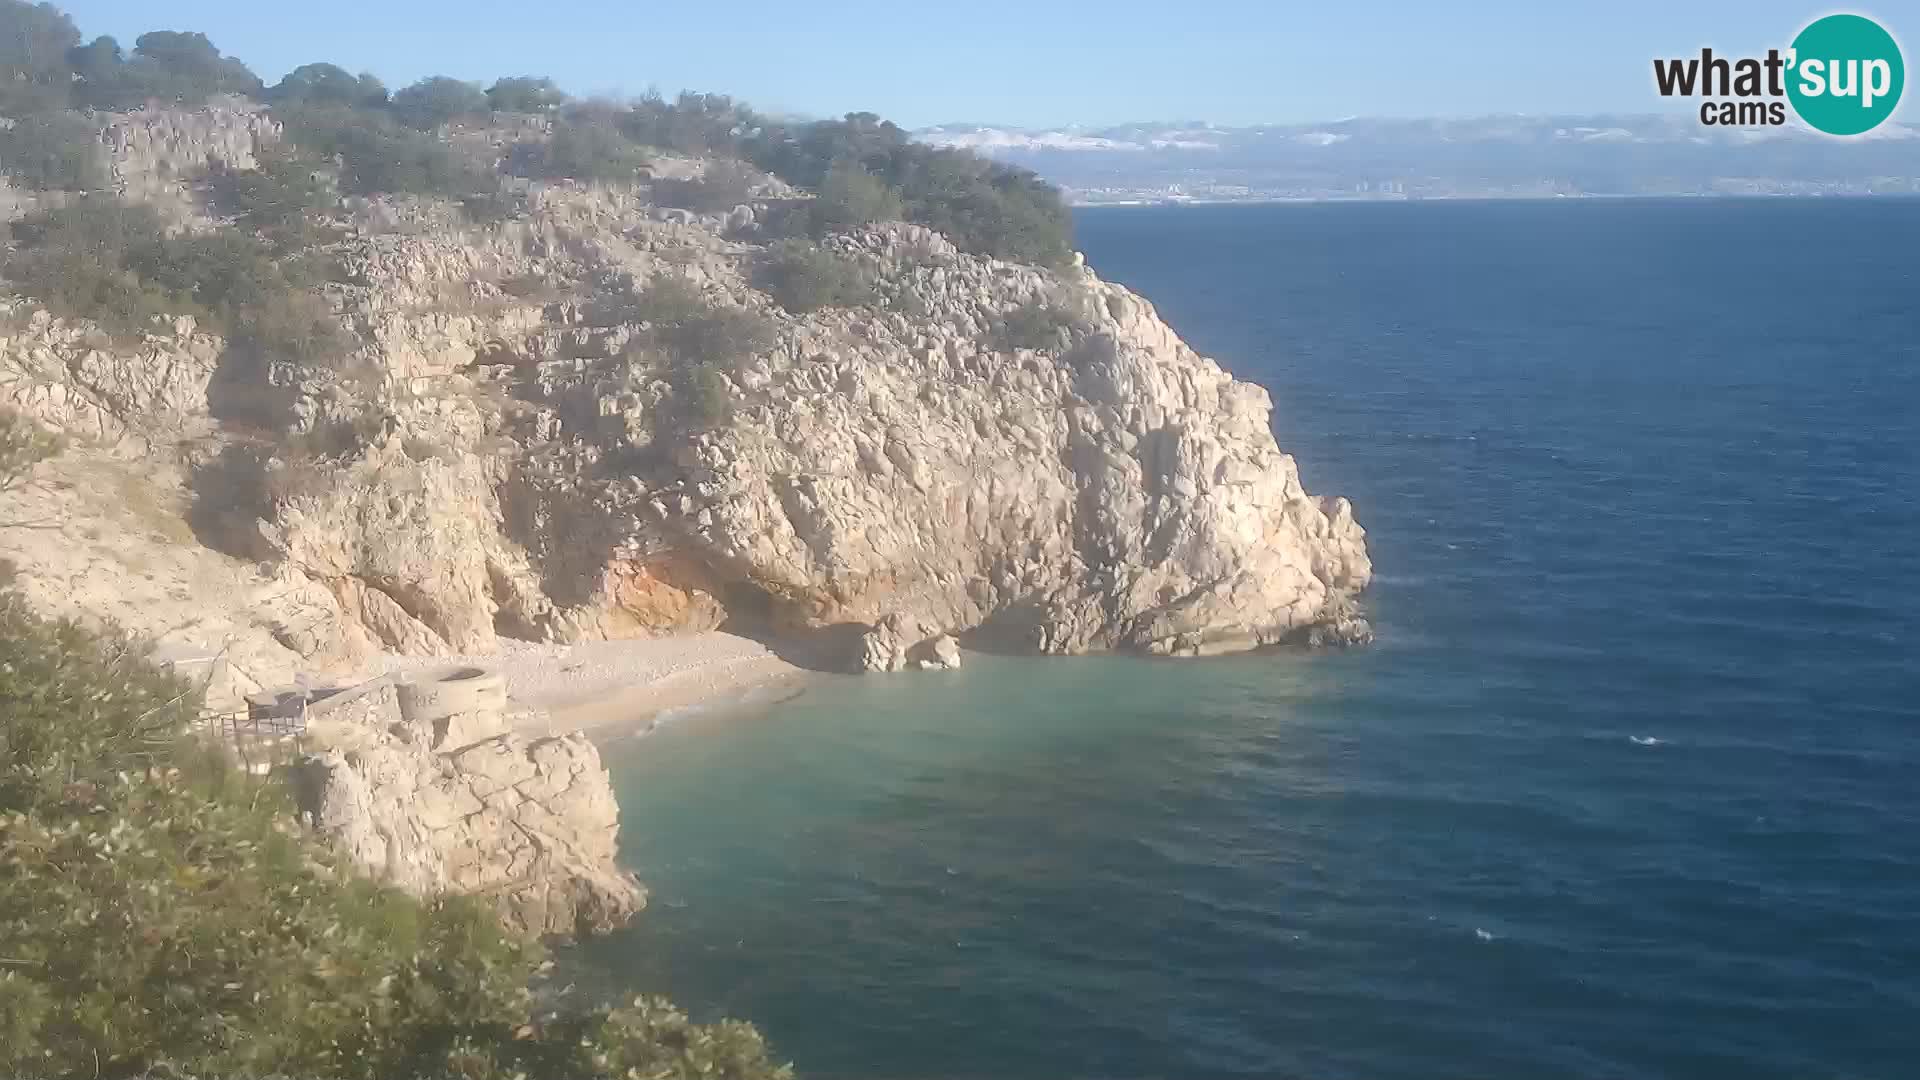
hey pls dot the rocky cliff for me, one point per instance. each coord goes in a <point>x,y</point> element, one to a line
<point>1102,488</point>
<point>588,417</point>
<point>527,823</point>
<point>521,460</point>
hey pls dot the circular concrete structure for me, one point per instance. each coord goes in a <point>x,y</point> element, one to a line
<point>435,695</point>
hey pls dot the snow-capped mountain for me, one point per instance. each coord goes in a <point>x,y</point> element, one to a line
<point>1507,155</point>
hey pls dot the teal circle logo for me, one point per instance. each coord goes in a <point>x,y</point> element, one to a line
<point>1845,74</point>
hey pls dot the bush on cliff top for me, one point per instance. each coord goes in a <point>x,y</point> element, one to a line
<point>115,264</point>
<point>162,912</point>
<point>327,84</point>
<point>984,207</point>
<point>437,100</point>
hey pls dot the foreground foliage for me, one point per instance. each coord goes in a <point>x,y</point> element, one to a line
<point>160,912</point>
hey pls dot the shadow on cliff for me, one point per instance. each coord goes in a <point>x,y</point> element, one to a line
<point>752,614</point>
<point>231,493</point>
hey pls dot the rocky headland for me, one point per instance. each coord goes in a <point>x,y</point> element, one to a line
<point>588,415</point>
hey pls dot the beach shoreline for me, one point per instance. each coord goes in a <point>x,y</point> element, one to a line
<point>607,689</point>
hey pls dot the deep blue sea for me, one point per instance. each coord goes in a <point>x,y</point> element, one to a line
<point>1628,788</point>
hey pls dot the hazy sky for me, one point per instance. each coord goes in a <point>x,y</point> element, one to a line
<point>1026,63</point>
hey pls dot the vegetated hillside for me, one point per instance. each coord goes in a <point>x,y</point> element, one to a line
<point>163,916</point>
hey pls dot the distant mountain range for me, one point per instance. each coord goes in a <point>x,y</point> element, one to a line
<point>1492,156</point>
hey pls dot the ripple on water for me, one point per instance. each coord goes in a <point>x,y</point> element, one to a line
<point>1623,791</point>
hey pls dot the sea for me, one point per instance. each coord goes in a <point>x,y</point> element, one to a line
<point>1629,786</point>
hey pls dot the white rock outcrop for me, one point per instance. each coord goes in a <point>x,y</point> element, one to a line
<point>529,824</point>
<point>1100,487</point>
<point>1119,491</point>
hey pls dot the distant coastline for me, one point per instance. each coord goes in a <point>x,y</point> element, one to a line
<point>1274,200</point>
<point>1599,155</point>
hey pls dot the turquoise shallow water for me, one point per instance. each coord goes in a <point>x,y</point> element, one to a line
<point>1626,789</point>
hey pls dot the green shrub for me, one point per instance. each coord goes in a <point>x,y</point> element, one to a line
<point>849,198</point>
<point>724,185</point>
<point>103,260</point>
<point>438,100</point>
<point>24,444</point>
<point>706,395</point>
<point>54,151</point>
<point>693,330</point>
<point>327,84</point>
<point>1036,325</point>
<point>589,151</point>
<point>802,277</point>
<point>693,123</point>
<point>279,200</point>
<point>34,41</point>
<point>77,708</point>
<point>984,207</point>
<point>493,206</point>
<point>378,155</point>
<point>525,94</point>
<point>76,261</point>
<point>166,65</point>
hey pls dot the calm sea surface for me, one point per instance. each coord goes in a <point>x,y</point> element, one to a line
<point>1630,786</point>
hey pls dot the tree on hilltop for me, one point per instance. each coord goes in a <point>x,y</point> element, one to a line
<point>525,94</point>
<point>438,100</point>
<point>190,63</point>
<point>34,41</point>
<point>327,84</point>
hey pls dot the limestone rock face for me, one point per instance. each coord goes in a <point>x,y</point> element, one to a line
<point>1029,456</point>
<point>940,654</point>
<point>529,824</point>
<point>415,548</point>
<point>1122,492</point>
<point>75,378</point>
<point>904,467</point>
<point>152,150</point>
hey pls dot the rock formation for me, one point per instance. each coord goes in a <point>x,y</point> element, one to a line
<point>456,803</point>
<point>1110,490</point>
<point>524,463</point>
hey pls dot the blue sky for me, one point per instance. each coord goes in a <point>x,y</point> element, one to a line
<point>1021,63</point>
